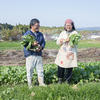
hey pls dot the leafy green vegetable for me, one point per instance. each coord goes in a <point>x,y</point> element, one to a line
<point>85,72</point>
<point>74,39</point>
<point>28,40</point>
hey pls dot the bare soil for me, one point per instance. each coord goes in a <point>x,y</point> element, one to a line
<point>16,57</point>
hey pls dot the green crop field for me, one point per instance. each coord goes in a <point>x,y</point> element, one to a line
<point>85,84</point>
<point>49,45</point>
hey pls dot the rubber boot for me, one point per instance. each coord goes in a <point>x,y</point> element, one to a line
<point>29,83</point>
<point>41,81</point>
<point>66,81</point>
<point>60,80</point>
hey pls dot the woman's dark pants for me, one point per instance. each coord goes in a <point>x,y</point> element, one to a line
<point>68,74</point>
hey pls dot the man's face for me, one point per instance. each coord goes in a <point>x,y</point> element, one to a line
<point>35,27</point>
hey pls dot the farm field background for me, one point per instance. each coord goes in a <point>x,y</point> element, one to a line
<point>85,83</point>
<point>49,45</point>
<point>11,53</point>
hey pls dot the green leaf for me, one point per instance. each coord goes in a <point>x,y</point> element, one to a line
<point>28,39</point>
<point>74,39</point>
<point>29,46</point>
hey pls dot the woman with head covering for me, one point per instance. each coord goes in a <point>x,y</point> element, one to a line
<point>67,55</point>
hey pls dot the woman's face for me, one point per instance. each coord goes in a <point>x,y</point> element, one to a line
<point>68,26</point>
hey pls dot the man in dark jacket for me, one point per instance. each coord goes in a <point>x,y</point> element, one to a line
<point>33,58</point>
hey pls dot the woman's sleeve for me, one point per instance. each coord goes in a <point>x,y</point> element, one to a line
<point>58,40</point>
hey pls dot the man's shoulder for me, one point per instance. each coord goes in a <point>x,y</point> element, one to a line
<point>40,33</point>
<point>28,32</point>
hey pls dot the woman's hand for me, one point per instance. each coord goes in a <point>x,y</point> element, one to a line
<point>62,40</point>
<point>67,40</point>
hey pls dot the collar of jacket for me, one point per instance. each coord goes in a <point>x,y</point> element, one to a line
<point>35,32</point>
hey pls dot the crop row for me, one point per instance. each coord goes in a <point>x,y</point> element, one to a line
<point>85,72</point>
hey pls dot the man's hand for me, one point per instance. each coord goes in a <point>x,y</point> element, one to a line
<point>35,44</point>
<point>39,48</point>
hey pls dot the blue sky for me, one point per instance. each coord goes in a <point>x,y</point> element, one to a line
<point>84,13</point>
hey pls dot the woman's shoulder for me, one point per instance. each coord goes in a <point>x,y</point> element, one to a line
<point>63,32</point>
<point>74,32</point>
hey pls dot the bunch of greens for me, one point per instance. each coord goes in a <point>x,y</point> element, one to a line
<point>74,39</point>
<point>28,40</point>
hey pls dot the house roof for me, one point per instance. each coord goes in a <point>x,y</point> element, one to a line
<point>96,34</point>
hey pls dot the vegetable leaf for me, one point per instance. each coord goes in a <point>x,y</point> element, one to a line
<point>28,40</point>
<point>74,39</point>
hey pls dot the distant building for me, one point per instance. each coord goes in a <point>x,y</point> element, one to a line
<point>55,36</point>
<point>94,36</point>
<point>47,37</point>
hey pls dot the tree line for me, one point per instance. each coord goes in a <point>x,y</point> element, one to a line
<point>14,33</point>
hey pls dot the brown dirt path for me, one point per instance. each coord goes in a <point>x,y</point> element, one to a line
<point>16,57</point>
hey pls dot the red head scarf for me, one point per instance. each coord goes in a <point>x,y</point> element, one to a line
<point>69,21</point>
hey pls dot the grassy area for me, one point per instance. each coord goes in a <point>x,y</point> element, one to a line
<point>88,91</point>
<point>49,45</point>
<point>10,45</point>
<point>89,44</point>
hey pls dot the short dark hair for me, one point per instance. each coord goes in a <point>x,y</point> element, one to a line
<point>33,22</point>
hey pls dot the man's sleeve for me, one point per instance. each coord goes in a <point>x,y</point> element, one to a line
<point>43,43</point>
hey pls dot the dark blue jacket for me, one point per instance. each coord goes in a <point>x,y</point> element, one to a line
<point>39,37</point>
